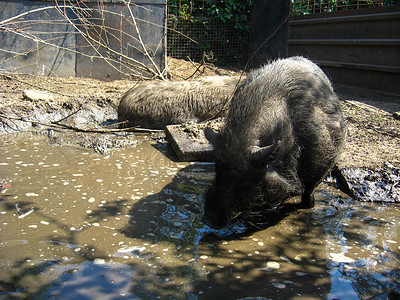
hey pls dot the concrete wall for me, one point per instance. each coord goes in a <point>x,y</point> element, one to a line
<point>77,54</point>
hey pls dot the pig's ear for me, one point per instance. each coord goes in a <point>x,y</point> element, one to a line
<point>261,156</point>
<point>211,136</point>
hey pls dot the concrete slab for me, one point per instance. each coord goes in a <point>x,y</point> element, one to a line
<point>186,147</point>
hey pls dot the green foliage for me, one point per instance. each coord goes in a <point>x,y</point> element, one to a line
<point>236,11</point>
<point>232,10</point>
<point>302,7</point>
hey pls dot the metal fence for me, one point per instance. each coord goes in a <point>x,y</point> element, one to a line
<point>205,37</point>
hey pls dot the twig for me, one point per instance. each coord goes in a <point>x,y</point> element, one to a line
<point>24,14</point>
<point>71,114</point>
<point>198,68</point>
<point>23,215</point>
<point>118,123</point>
<point>127,3</point>
<point>89,130</point>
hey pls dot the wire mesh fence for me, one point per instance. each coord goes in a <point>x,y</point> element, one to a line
<point>205,38</point>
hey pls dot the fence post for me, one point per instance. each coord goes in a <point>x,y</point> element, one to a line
<point>268,31</point>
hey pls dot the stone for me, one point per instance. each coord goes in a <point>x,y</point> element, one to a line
<point>36,95</point>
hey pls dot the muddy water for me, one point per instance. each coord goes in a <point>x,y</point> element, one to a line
<point>79,225</point>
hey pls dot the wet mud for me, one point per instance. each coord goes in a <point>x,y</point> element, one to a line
<point>366,184</point>
<point>126,225</point>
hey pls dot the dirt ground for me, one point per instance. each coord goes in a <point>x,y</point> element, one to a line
<point>373,130</point>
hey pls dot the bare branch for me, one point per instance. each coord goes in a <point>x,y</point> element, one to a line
<point>93,30</point>
<point>73,128</point>
<point>127,3</point>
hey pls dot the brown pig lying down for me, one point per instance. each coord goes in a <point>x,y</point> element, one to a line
<point>156,104</point>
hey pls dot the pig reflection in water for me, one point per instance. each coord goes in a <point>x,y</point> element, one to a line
<point>283,132</point>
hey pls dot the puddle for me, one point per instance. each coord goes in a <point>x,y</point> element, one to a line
<point>126,225</point>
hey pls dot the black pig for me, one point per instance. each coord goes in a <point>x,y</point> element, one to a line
<point>283,132</point>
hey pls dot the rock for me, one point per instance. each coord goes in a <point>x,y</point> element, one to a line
<point>396,115</point>
<point>35,95</point>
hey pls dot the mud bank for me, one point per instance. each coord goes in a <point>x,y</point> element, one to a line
<point>67,110</point>
<point>374,184</point>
